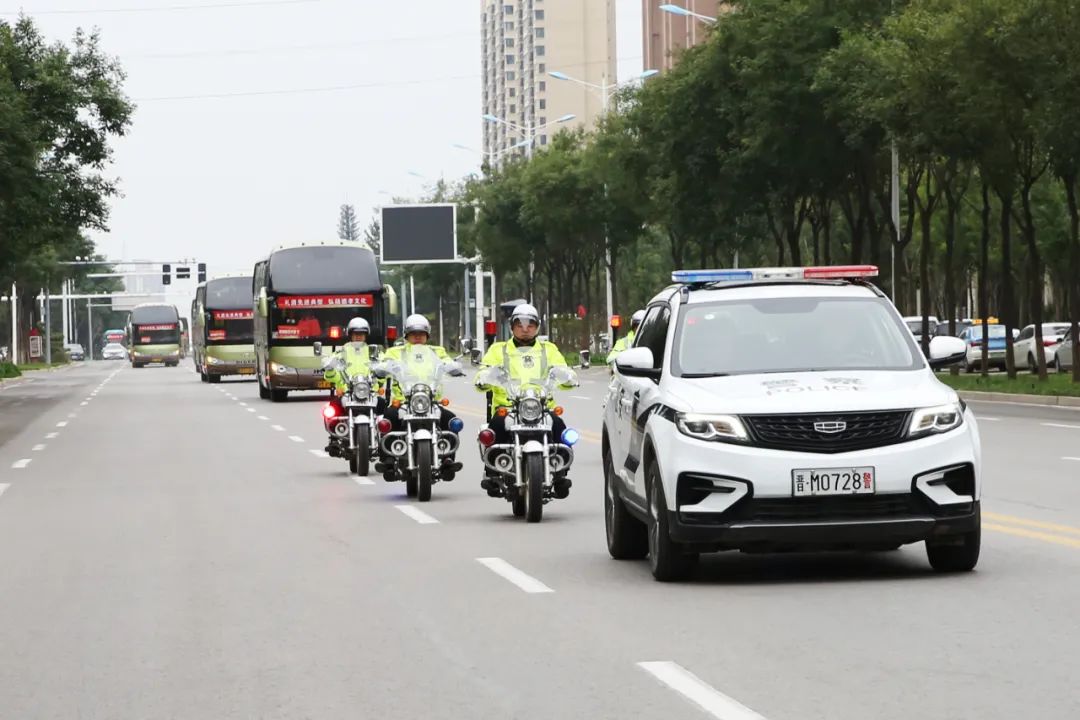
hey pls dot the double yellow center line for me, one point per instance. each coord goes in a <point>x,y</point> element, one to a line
<point>1032,529</point>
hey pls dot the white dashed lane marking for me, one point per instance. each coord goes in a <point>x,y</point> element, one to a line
<point>318,453</point>
<point>697,691</point>
<point>3,487</point>
<point>418,515</point>
<point>39,447</point>
<point>1061,425</point>
<point>20,464</point>
<point>62,423</point>
<point>278,428</point>
<point>52,435</point>
<point>508,572</point>
<point>364,481</point>
<point>296,438</point>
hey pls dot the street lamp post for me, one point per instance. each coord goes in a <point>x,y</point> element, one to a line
<point>679,10</point>
<point>607,90</point>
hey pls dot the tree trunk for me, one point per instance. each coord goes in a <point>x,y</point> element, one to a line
<point>984,277</point>
<point>1074,272</point>
<point>1035,274</point>
<point>1008,303</point>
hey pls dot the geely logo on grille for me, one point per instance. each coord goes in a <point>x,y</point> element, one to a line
<point>830,428</point>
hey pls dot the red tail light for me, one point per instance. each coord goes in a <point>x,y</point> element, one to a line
<point>329,411</point>
<point>391,334</point>
<point>1049,343</point>
<point>335,333</point>
<point>384,425</point>
<point>486,437</point>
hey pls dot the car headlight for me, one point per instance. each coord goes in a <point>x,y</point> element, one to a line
<point>530,410</point>
<point>278,368</point>
<point>361,391</point>
<point>719,428</point>
<point>420,401</point>
<point>930,421</point>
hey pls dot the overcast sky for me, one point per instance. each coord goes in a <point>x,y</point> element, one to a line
<point>222,179</point>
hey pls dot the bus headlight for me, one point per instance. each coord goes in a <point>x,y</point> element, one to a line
<point>279,369</point>
<point>211,360</point>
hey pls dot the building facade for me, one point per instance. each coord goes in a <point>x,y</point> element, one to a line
<point>665,35</point>
<point>525,40</point>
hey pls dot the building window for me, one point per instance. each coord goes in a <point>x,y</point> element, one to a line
<point>513,92</point>
<point>513,109</point>
<point>540,50</point>
<point>543,104</point>
<point>543,86</point>
<point>509,42</point>
<point>539,14</point>
<point>509,74</point>
<point>509,59</point>
<point>508,9</point>
<point>508,26</point>
<point>539,32</point>
<point>542,68</point>
<point>543,139</point>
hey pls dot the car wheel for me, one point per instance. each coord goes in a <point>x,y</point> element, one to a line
<point>968,367</point>
<point>667,559</point>
<point>957,553</point>
<point>213,378</point>
<point>627,537</point>
<point>1033,367</point>
<point>278,395</point>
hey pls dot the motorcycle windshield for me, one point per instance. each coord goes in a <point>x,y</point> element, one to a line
<point>421,366</point>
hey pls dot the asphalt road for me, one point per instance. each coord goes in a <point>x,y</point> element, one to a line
<point>170,549</point>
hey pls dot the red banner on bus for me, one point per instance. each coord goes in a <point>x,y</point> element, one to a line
<point>292,302</point>
<point>216,334</point>
<point>149,328</point>
<point>232,314</point>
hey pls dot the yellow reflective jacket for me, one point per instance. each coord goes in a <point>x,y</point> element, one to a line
<point>621,344</point>
<point>357,363</point>
<point>528,364</point>
<point>422,360</point>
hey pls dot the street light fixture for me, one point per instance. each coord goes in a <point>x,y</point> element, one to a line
<point>606,91</point>
<point>679,10</point>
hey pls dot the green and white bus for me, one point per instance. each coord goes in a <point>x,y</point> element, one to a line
<point>307,293</point>
<point>222,338</point>
<point>154,335</point>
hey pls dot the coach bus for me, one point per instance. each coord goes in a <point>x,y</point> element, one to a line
<point>154,335</point>
<point>222,340</point>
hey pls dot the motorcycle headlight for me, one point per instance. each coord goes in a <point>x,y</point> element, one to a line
<point>278,368</point>
<point>530,410</point>
<point>361,391</point>
<point>934,420</point>
<point>420,401</point>
<point>719,428</point>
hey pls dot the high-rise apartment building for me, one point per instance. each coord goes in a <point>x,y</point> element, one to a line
<point>525,40</point>
<point>665,34</point>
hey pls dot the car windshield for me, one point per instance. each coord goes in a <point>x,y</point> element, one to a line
<point>777,335</point>
<point>996,331</point>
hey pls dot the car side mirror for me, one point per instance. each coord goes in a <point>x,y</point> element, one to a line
<point>637,362</point>
<point>946,351</point>
<point>317,347</point>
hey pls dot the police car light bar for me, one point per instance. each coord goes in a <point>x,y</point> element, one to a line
<point>827,272</point>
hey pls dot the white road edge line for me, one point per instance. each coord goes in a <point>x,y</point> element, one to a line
<point>418,515</point>
<point>987,419</point>
<point>697,691</point>
<point>278,428</point>
<point>364,481</point>
<point>580,397</point>
<point>3,487</point>
<point>1074,459</point>
<point>1061,425</point>
<point>508,572</point>
<point>20,464</point>
<point>296,438</point>
<point>62,423</point>
<point>263,417</point>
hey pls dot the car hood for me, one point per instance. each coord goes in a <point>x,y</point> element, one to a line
<point>815,392</point>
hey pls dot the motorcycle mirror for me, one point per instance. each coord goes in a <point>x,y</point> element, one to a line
<point>380,371</point>
<point>373,352</point>
<point>317,347</point>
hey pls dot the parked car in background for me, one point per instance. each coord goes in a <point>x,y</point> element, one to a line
<point>1024,349</point>
<point>75,351</point>
<point>1062,357</point>
<point>914,325</point>
<point>114,351</point>
<point>973,337</point>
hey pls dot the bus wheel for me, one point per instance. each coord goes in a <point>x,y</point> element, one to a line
<point>264,392</point>
<point>278,395</point>
<point>213,378</point>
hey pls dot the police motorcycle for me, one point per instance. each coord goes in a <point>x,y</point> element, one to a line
<point>355,434</point>
<point>526,468</point>
<point>415,454</point>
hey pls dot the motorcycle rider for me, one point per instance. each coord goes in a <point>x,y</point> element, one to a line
<point>626,341</point>
<point>526,359</point>
<point>356,357</point>
<point>417,333</point>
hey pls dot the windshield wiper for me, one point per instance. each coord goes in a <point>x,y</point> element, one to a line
<point>704,375</point>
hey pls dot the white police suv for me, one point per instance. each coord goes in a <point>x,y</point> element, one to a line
<point>784,409</point>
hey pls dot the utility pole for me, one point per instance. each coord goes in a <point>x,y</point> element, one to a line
<point>14,324</point>
<point>48,325</point>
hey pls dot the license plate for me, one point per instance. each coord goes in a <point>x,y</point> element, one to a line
<point>832,481</point>
<point>246,371</point>
<point>323,385</point>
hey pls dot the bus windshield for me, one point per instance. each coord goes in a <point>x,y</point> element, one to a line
<point>324,270</point>
<point>229,294</point>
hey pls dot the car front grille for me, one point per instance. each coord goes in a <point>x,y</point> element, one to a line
<point>810,433</point>
<point>847,507</point>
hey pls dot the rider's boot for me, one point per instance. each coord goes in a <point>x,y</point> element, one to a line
<point>561,487</point>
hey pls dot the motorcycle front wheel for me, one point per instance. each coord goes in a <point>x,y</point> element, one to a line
<point>363,450</point>
<point>534,487</point>
<point>423,470</point>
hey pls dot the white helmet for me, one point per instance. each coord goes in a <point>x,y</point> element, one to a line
<point>636,318</point>
<point>417,323</point>
<point>357,325</point>
<point>525,311</point>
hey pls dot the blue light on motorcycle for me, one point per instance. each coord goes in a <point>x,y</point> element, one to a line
<point>456,425</point>
<point>570,436</point>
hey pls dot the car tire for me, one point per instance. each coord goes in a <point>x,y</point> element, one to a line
<point>667,558</point>
<point>627,537</point>
<point>1033,367</point>
<point>278,396</point>
<point>213,378</point>
<point>955,557</point>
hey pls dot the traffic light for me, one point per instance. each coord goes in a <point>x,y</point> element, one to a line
<point>202,272</point>
<point>166,274</point>
<point>183,273</point>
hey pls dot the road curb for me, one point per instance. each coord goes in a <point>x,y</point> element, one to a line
<point>1047,400</point>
